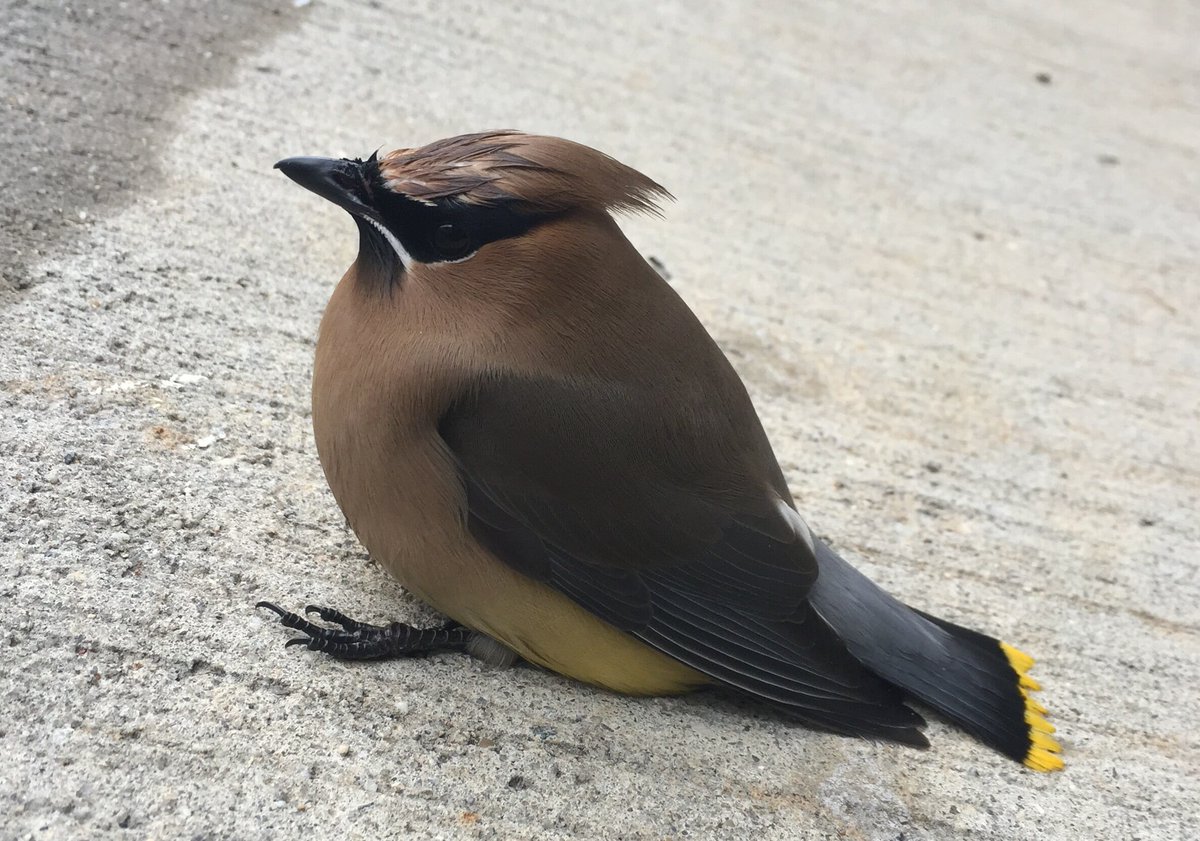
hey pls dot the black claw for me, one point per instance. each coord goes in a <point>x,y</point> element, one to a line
<point>328,614</point>
<point>356,640</point>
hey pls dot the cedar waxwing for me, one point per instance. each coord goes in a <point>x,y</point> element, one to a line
<point>527,426</point>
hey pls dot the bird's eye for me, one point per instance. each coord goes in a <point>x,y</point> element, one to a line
<point>451,241</point>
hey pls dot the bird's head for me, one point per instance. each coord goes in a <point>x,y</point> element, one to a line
<point>473,198</point>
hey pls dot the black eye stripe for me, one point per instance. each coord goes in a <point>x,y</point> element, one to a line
<point>450,229</point>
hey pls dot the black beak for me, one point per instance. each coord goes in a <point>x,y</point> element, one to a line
<point>340,181</point>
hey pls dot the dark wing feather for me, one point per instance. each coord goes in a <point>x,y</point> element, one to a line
<point>677,542</point>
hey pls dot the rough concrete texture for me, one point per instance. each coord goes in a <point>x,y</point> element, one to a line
<point>953,250</point>
<point>88,93</point>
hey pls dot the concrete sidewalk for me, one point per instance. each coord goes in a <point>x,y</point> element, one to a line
<point>953,252</point>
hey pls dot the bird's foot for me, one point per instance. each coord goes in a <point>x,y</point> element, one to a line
<point>359,641</point>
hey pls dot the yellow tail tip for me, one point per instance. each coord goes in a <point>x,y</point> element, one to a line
<point>1043,760</point>
<point>1036,722</point>
<point>1044,750</point>
<point>1019,660</point>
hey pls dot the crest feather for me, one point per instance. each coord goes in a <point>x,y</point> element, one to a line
<point>534,173</point>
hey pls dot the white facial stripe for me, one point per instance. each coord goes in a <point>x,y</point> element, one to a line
<point>405,258</point>
<point>452,262</point>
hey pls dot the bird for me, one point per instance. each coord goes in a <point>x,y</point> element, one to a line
<point>526,425</point>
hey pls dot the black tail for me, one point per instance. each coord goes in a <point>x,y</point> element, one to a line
<point>974,680</point>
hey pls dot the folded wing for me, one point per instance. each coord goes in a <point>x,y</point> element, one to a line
<point>666,521</point>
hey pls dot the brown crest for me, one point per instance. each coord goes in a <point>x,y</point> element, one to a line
<point>536,174</point>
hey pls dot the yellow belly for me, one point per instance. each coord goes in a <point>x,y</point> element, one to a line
<point>550,630</point>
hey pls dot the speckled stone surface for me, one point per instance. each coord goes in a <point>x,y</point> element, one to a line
<point>953,250</point>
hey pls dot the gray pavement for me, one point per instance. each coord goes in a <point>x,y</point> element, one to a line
<point>88,95</point>
<point>953,251</point>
